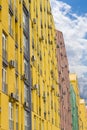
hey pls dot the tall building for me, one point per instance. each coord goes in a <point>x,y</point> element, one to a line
<point>64,84</point>
<point>15,91</point>
<point>74,110</point>
<point>74,83</point>
<point>29,91</point>
<point>44,74</point>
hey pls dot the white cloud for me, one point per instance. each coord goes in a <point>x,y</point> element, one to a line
<point>74,29</point>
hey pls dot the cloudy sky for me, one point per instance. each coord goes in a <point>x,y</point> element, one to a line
<point>70,17</point>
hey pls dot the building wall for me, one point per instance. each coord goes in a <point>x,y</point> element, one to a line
<point>64,83</point>
<point>83,118</point>
<point>74,110</point>
<point>14,103</point>
<point>74,83</point>
<point>45,89</point>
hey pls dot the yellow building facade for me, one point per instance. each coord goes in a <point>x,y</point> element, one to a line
<point>74,83</point>
<point>45,92</point>
<point>29,94</point>
<point>83,117</point>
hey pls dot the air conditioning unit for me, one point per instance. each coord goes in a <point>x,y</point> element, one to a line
<point>57,94</point>
<point>49,26</point>
<point>48,112</point>
<point>44,97</point>
<point>34,21</point>
<point>44,112</point>
<point>26,104</point>
<point>52,87</point>
<point>33,58</point>
<point>12,95</point>
<point>42,38</point>
<point>24,76</point>
<point>57,46</point>
<point>12,64</point>
<point>0,7</point>
<point>35,87</point>
<point>55,38</point>
<point>29,1</point>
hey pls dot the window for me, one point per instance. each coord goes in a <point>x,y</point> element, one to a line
<point>10,25</point>
<point>26,120</point>
<point>16,117</point>
<point>4,80</point>
<point>4,40</point>
<point>16,84</point>
<point>42,125</point>
<point>26,68</point>
<point>25,44</point>
<point>34,122</point>
<point>26,93</point>
<point>11,122</point>
<point>4,46</point>
<point>24,18</point>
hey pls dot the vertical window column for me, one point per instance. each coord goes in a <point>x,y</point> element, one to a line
<point>17,128</point>
<point>26,120</point>
<point>11,119</point>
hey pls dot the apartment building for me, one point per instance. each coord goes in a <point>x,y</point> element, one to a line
<point>74,83</point>
<point>44,74</point>
<point>64,83</point>
<point>29,91</point>
<point>15,89</point>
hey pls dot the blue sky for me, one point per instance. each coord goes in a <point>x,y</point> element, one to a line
<point>70,17</point>
<point>78,6</point>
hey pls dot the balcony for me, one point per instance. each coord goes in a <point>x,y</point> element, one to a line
<point>10,8</point>
<point>4,87</point>
<point>11,124</point>
<point>5,57</point>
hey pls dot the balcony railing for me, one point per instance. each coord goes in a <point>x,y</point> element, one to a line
<point>4,87</point>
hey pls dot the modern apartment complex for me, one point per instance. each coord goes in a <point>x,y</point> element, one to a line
<point>64,83</point>
<point>35,91</point>
<point>29,91</point>
<point>44,74</point>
